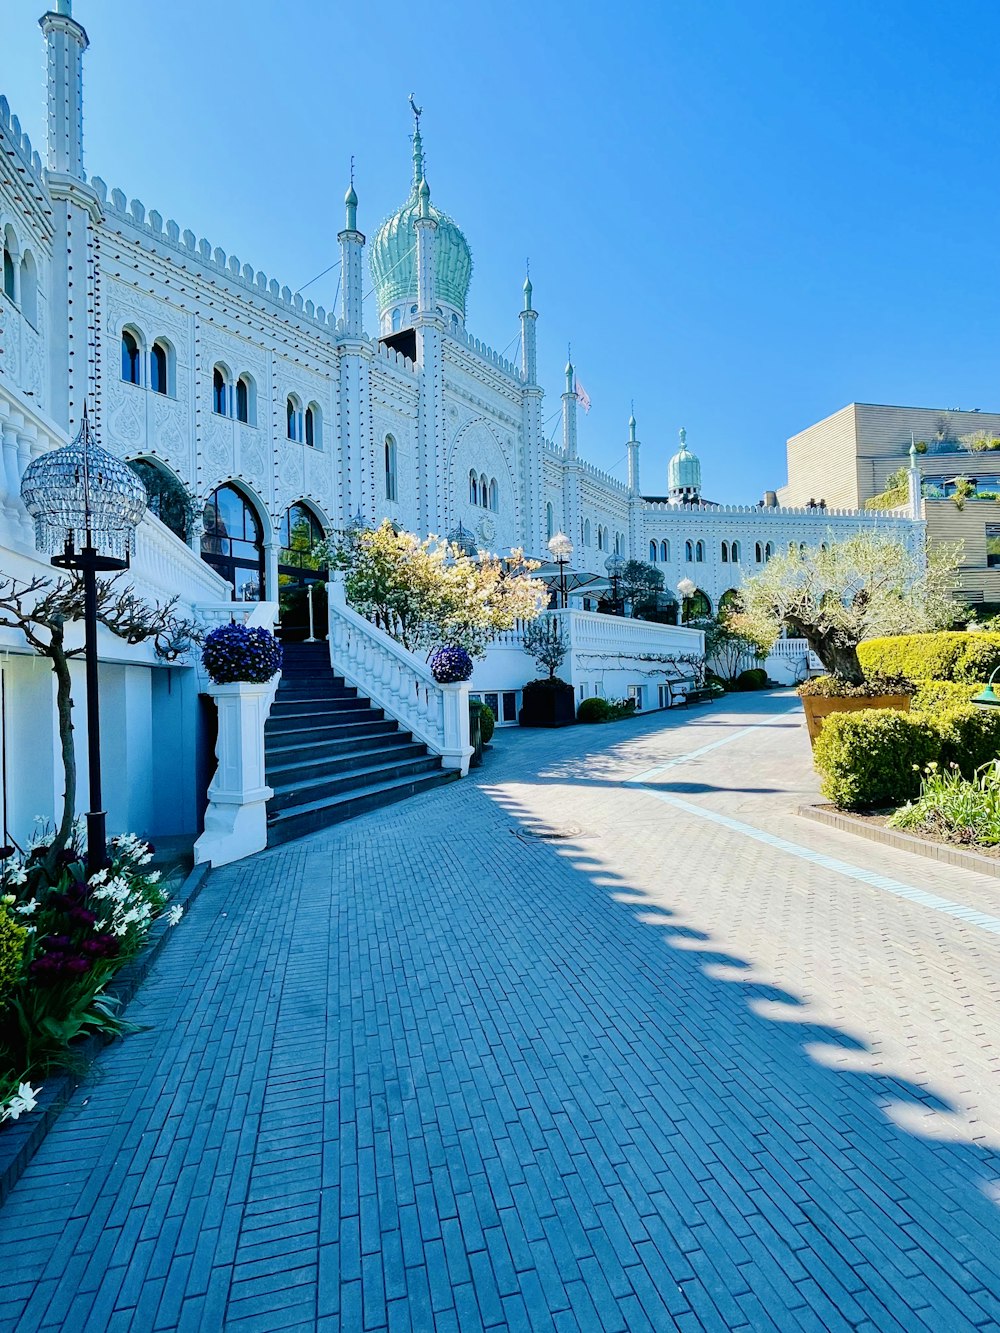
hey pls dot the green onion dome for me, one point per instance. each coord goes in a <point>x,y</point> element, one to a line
<point>393,256</point>
<point>684,471</point>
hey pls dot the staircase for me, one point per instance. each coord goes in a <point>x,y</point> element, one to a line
<point>331,755</point>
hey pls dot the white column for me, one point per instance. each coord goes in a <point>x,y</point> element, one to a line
<point>236,819</point>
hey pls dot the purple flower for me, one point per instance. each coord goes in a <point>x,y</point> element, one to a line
<point>56,943</point>
<point>236,653</point>
<point>83,916</point>
<point>100,946</point>
<point>76,967</point>
<point>450,664</point>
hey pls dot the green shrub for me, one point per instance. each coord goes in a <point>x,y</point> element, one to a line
<point>970,736</point>
<point>594,710</point>
<point>933,695</point>
<point>754,678</point>
<point>12,937</point>
<point>829,687</point>
<point>979,659</point>
<point>874,758</point>
<point>941,656</point>
<point>955,808</point>
<point>487,723</point>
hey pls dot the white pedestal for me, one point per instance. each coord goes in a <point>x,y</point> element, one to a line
<point>236,818</point>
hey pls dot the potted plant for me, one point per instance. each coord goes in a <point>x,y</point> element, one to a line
<point>834,596</point>
<point>547,702</point>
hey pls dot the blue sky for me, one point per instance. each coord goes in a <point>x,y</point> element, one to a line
<point>744,213</point>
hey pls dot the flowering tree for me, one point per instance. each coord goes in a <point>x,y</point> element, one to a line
<point>547,642</point>
<point>43,609</point>
<point>864,587</point>
<point>429,593</point>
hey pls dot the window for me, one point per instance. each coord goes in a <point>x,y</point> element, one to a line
<point>159,363</point>
<point>730,601</point>
<point>131,358</point>
<point>618,543</point>
<point>664,551</point>
<point>586,532</point>
<point>758,553</point>
<point>484,491</point>
<point>473,488</point>
<point>246,400</point>
<point>10,264</point>
<point>664,699</point>
<point>688,552</point>
<point>636,692</point>
<point>696,607</point>
<point>725,553</point>
<point>494,495</point>
<point>233,543</point>
<point>397,320</point>
<point>550,522</point>
<point>600,537</point>
<point>29,289</point>
<point>993,544</point>
<point>220,392</point>
<point>293,418</point>
<point>314,426</point>
<point>652,552</point>
<point>768,552</point>
<point>165,496</point>
<point>699,551</point>
<point>390,468</point>
<point>734,553</point>
<point>301,534</point>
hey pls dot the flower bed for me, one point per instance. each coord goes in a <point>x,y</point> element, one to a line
<point>61,943</point>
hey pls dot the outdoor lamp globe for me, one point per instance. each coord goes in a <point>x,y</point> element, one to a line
<point>560,547</point>
<point>687,587</point>
<point>615,565</point>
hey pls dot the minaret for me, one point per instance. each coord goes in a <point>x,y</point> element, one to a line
<point>569,415</point>
<point>532,496</point>
<point>571,469</point>
<point>432,460</point>
<point>915,485</point>
<point>352,244</point>
<point>634,495</point>
<point>357,487</point>
<point>73,319</point>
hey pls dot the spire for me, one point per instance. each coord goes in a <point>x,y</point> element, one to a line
<point>527,291</point>
<point>632,450</point>
<point>569,369</point>
<point>351,203</point>
<point>425,198</point>
<point>418,145</point>
<point>631,427</point>
<point>683,436</point>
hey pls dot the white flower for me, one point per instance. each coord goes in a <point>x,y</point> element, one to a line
<point>100,877</point>
<point>174,915</point>
<point>24,1100</point>
<point>18,875</point>
<point>26,909</point>
<point>154,876</point>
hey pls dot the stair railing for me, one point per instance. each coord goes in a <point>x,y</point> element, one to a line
<point>398,682</point>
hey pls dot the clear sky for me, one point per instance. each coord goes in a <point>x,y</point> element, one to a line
<point>743,213</point>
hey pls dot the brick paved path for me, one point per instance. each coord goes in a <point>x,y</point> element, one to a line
<point>422,1073</point>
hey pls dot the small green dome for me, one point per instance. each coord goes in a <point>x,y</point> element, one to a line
<point>684,470</point>
<point>393,256</point>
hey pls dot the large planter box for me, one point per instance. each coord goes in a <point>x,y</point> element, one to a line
<point>548,708</point>
<point>818,707</point>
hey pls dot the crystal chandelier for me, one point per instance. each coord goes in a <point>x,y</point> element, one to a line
<point>81,496</point>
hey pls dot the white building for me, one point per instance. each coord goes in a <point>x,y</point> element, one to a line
<point>260,422</point>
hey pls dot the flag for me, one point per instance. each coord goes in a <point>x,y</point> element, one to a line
<point>583,397</point>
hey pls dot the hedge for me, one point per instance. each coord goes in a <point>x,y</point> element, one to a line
<point>932,695</point>
<point>594,709</point>
<point>951,655</point>
<point>875,758</point>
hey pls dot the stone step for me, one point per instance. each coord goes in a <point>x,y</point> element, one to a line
<point>285,748</point>
<point>313,720</point>
<point>315,703</point>
<point>297,730</point>
<point>297,821</point>
<point>361,775</point>
<point>359,753</point>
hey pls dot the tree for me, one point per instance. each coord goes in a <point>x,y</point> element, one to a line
<point>639,584</point>
<point>43,609</point>
<point>547,642</point>
<point>429,593</point>
<point>864,587</point>
<point>727,645</point>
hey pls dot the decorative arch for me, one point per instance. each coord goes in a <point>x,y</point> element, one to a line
<point>391,474</point>
<point>166,495</point>
<point>293,417</point>
<point>689,551</point>
<point>664,551</point>
<point>484,491</point>
<point>29,288</point>
<point>697,607</point>
<point>494,495</point>
<point>133,349</point>
<point>734,553</point>
<point>162,367</point>
<point>725,553</point>
<point>10,265</point>
<point>314,426</point>
<point>481,424</point>
<point>730,601</point>
<point>236,530</point>
<point>758,553</point>
<point>652,552</point>
<point>473,488</point>
<point>586,532</point>
<point>699,553</point>
<point>768,552</point>
<point>246,399</point>
<point>222,396</point>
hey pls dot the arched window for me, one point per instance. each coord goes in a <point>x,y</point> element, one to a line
<point>652,552</point>
<point>823,546</point>
<point>165,496</point>
<point>454,326</point>
<point>484,491</point>
<point>697,606</point>
<point>688,552</point>
<point>758,553</point>
<point>550,522</point>
<point>734,553</point>
<point>725,553</point>
<point>600,537</point>
<point>730,601</point>
<point>664,551</point>
<point>221,404</point>
<point>791,548</point>
<point>586,532</point>
<point>618,543</point>
<point>233,543</point>
<point>29,289</point>
<point>293,417</point>
<point>159,367</point>
<point>768,552</point>
<point>494,495</point>
<point>301,534</point>
<point>473,488</point>
<point>390,468</point>
<point>246,400</point>
<point>699,551</point>
<point>397,320</point>
<point>802,548</point>
<point>131,358</point>
<point>314,426</point>
<point>10,264</point>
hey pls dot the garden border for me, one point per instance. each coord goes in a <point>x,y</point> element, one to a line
<point>904,842</point>
<point>21,1140</point>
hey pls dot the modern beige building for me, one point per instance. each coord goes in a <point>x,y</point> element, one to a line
<point>848,458</point>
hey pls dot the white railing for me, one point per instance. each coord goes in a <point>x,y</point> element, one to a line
<point>254,614</point>
<point>163,566</point>
<point>595,632</point>
<point>399,683</point>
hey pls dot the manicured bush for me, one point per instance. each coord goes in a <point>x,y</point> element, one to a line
<point>829,687</point>
<point>594,710</point>
<point>979,658</point>
<point>12,938</point>
<point>933,695</point>
<point>487,722</point>
<point>874,758</point>
<point>941,656</point>
<point>237,653</point>
<point>754,678</point>
<point>449,665</point>
<point>970,736</point>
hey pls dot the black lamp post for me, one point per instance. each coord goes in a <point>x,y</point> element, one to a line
<point>615,565</point>
<point>561,548</point>
<point>86,505</point>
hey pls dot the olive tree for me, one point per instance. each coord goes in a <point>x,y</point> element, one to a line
<point>836,595</point>
<point>547,642</point>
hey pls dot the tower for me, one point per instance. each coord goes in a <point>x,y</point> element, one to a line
<point>684,475</point>
<point>355,433</point>
<point>634,495</point>
<point>352,244</point>
<point>533,499</point>
<point>571,467</point>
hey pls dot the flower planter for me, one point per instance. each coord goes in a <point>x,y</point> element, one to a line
<point>236,818</point>
<point>818,707</point>
<point>548,707</point>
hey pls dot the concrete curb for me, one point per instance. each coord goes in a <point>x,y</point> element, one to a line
<point>21,1140</point>
<point>904,842</point>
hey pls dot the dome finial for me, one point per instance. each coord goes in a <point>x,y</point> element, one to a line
<point>527,284</point>
<point>631,423</point>
<point>424,194</point>
<point>418,144</point>
<point>683,435</point>
<point>351,202</point>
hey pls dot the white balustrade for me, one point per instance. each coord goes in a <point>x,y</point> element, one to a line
<point>398,682</point>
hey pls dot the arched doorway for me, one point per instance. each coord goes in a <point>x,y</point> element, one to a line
<point>302,574</point>
<point>233,543</point>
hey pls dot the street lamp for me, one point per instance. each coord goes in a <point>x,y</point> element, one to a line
<point>988,697</point>
<point>464,540</point>
<point>86,505</point>
<point>561,548</point>
<point>687,589</point>
<point>615,565</point>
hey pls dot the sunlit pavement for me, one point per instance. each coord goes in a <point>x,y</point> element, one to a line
<point>691,1063</point>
